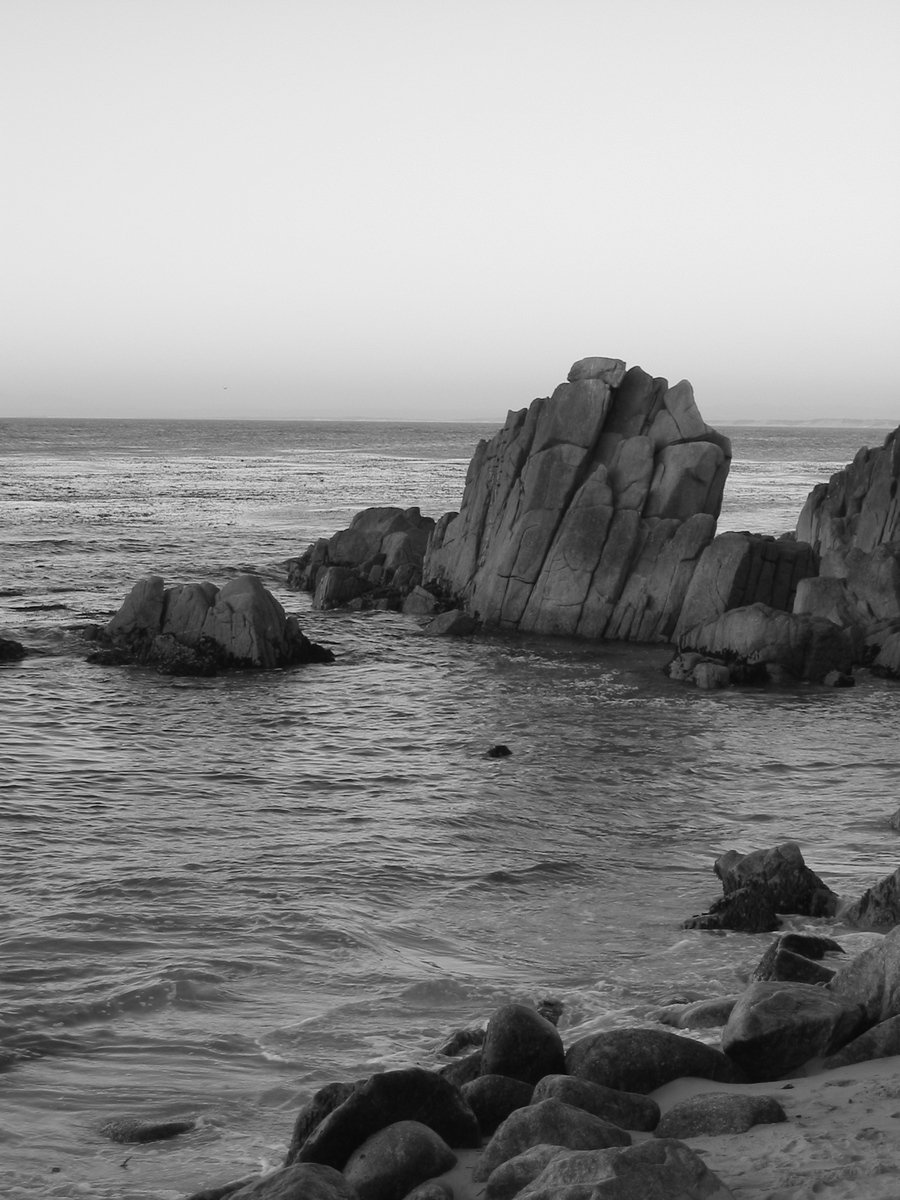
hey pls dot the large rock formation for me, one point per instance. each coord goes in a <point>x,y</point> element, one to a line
<point>586,514</point>
<point>858,509</point>
<point>197,628</point>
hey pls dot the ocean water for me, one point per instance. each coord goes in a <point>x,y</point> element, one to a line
<point>218,894</point>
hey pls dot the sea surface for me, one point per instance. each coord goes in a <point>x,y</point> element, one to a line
<point>218,894</point>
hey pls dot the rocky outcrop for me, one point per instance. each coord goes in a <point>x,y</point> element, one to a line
<point>374,563</point>
<point>197,629</point>
<point>586,514</point>
<point>858,509</point>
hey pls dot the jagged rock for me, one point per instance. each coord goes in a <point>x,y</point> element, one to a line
<point>312,1181</point>
<point>878,907</point>
<point>411,1094</point>
<point>586,513</point>
<point>379,557</point>
<point>777,1027</point>
<point>859,507</point>
<point>641,1060</point>
<point>665,1169</point>
<point>881,1041</point>
<point>628,1110</point>
<point>750,909</point>
<point>793,958</point>
<point>872,979</point>
<point>738,569</point>
<point>493,1098</point>
<point>198,628</point>
<point>552,1123</point>
<point>522,1044</point>
<point>792,645</point>
<point>396,1159</point>
<point>778,880</point>
<point>719,1112</point>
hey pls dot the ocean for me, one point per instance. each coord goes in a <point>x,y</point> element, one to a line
<point>219,894</point>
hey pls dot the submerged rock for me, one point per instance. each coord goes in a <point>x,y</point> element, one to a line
<point>135,1129</point>
<point>197,629</point>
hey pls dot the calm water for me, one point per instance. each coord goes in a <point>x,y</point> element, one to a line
<point>218,894</point>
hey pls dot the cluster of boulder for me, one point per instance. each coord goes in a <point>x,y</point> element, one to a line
<point>199,629</point>
<point>544,1121</point>
<point>592,513</point>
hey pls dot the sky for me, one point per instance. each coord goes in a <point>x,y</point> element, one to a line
<point>428,210</point>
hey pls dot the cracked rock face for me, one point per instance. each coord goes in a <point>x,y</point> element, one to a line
<point>586,514</point>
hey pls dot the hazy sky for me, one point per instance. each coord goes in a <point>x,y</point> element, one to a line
<point>430,208</point>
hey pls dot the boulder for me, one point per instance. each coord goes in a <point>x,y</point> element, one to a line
<point>517,1172</point>
<point>699,1014</point>
<point>463,1071</point>
<point>378,557</point>
<point>872,979</point>
<point>309,1180</point>
<point>134,1129</point>
<point>550,1122</point>
<point>859,507</point>
<point>454,623</point>
<point>432,1189</point>
<point>750,909</point>
<point>881,1041</point>
<point>792,646</point>
<point>878,907</point>
<point>665,1169</point>
<point>777,1027</point>
<point>410,1094</point>
<point>396,1159</point>
<point>628,1110</point>
<point>493,1098</point>
<point>11,651</point>
<point>587,512</point>
<point>522,1044</point>
<point>887,657</point>
<point>719,1112</point>
<point>737,569</point>
<point>314,1112</point>
<point>641,1060</point>
<point>199,628</point>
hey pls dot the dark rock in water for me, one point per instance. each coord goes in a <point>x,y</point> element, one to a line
<point>700,1014</point>
<point>552,1123</point>
<point>314,1112</point>
<point>878,907</point>
<point>760,885</point>
<point>777,1027</point>
<point>461,1040</point>
<point>628,1110</point>
<point>585,515</point>
<point>454,623</point>
<point>499,752</point>
<point>11,651</point>
<point>394,1160</point>
<point>719,1112</point>
<point>197,629</point>
<point>378,559</point>
<point>411,1094</point>
<point>521,1044</point>
<point>493,1098</point>
<point>133,1129</point>
<point>642,1060</point>
<point>311,1181</point>
<point>790,646</point>
<point>551,1010</point>
<point>653,1170</point>
<point>881,1041</point>
<point>782,964</point>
